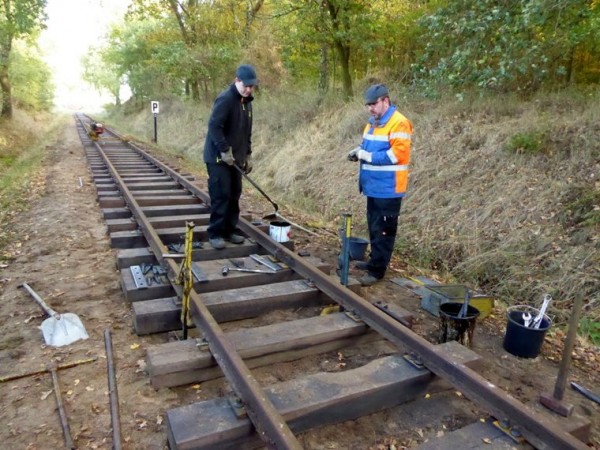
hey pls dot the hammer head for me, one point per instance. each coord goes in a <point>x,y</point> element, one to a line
<point>557,405</point>
<point>225,271</point>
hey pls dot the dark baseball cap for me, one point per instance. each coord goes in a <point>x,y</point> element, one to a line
<point>247,74</point>
<point>375,92</point>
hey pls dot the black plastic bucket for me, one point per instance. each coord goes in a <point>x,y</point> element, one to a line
<point>357,248</point>
<point>522,341</point>
<point>454,328</point>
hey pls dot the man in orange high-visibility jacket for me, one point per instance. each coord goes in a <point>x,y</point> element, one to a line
<point>384,155</point>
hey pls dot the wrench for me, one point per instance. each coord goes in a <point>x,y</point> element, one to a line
<point>225,271</point>
<point>538,319</point>
<point>526,319</point>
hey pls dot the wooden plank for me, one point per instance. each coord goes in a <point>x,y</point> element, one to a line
<point>180,221</point>
<point>168,200</point>
<point>213,270</point>
<point>134,165</point>
<point>184,362</point>
<point>133,294</point>
<point>115,225</point>
<point>305,403</point>
<point>215,280</point>
<point>153,186</point>
<point>116,213</point>
<point>105,186</point>
<point>174,210</point>
<point>133,237</point>
<point>163,314</point>
<point>125,171</point>
<point>135,256</point>
<point>121,224</point>
<point>157,315</point>
<point>315,400</point>
<point>133,180</point>
<point>159,192</point>
<point>109,193</point>
<point>111,202</point>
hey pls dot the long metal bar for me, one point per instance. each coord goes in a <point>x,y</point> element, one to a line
<point>543,433</point>
<point>64,421</point>
<point>269,424</point>
<point>17,376</point>
<point>112,392</point>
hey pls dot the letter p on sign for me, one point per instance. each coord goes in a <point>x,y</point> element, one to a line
<point>154,107</point>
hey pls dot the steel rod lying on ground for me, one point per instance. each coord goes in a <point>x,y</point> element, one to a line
<point>61,409</point>
<point>16,376</point>
<point>112,392</point>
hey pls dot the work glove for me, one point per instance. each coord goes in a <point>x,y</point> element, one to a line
<point>353,155</point>
<point>364,155</point>
<point>359,153</point>
<point>227,157</point>
<point>248,165</point>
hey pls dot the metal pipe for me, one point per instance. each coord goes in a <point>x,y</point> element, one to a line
<point>112,392</point>
<point>17,376</point>
<point>64,422</point>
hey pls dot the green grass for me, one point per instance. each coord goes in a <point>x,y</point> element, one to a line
<point>528,143</point>
<point>590,329</point>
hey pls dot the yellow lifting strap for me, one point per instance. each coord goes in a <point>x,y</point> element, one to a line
<point>185,277</point>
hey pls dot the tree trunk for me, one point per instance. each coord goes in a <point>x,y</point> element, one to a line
<point>251,12</point>
<point>344,54</point>
<point>6,105</point>
<point>324,71</point>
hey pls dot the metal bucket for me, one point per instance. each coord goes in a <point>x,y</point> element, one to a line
<point>280,231</point>
<point>454,328</point>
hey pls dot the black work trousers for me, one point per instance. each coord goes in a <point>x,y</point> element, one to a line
<point>382,219</point>
<point>225,189</point>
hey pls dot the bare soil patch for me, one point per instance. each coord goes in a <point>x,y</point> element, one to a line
<point>61,249</point>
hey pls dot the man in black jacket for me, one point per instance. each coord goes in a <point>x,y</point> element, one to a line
<point>228,143</point>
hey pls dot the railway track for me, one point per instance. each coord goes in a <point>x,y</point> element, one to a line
<point>148,207</point>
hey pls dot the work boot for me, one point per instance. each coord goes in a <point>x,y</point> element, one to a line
<point>362,265</point>
<point>368,280</point>
<point>217,243</point>
<point>236,238</point>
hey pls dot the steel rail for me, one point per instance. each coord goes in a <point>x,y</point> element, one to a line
<point>544,433</point>
<point>270,425</point>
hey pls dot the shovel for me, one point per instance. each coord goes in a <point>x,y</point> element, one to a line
<point>58,329</point>
<point>276,214</point>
